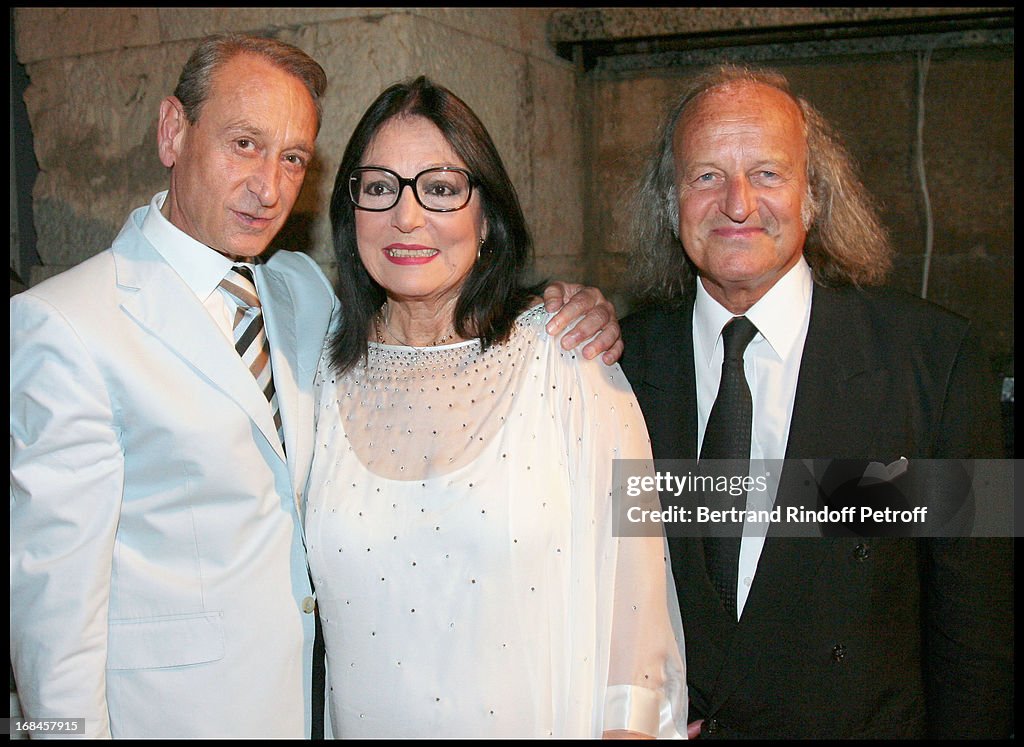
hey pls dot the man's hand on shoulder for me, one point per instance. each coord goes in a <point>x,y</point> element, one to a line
<point>573,301</point>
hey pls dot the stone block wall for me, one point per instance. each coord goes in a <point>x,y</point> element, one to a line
<point>97,76</point>
<point>968,156</point>
<point>876,87</point>
<point>573,130</point>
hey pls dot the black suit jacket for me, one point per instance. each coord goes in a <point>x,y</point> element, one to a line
<point>845,636</point>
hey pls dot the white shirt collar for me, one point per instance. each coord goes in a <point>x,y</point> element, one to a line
<point>201,267</point>
<point>779,315</point>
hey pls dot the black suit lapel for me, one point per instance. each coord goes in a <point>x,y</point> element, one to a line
<point>666,387</point>
<point>670,391</point>
<point>779,594</point>
<point>838,383</point>
<point>842,383</point>
<point>668,394</point>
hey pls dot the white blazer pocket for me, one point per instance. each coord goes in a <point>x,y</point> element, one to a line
<point>155,642</point>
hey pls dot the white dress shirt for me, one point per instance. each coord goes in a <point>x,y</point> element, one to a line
<point>771,363</point>
<point>201,267</point>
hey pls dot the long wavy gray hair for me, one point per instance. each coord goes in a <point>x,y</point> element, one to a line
<point>846,242</point>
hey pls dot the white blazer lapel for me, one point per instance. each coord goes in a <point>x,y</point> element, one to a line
<point>158,300</point>
<point>280,315</point>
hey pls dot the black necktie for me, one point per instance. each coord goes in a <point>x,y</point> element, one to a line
<point>727,437</point>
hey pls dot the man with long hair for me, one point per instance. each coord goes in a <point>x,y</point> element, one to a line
<point>750,216</point>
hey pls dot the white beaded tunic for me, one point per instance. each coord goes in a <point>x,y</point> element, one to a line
<point>458,525</point>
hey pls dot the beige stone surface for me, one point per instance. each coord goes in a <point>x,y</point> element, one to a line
<point>522,29</point>
<point>49,33</point>
<point>364,56</point>
<point>579,24</point>
<point>621,144</point>
<point>873,103</point>
<point>552,192</point>
<point>177,24</point>
<point>93,105</point>
<point>574,142</point>
<point>94,125</point>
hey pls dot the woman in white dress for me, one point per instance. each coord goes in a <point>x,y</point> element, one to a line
<point>459,513</point>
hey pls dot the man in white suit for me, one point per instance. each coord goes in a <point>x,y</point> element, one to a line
<point>158,577</point>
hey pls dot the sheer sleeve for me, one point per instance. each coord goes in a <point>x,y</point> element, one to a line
<point>646,675</point>
<point>640,668</point>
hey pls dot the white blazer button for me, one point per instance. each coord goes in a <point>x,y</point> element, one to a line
<point>308,605</point>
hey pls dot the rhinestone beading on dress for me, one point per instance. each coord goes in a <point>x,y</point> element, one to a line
<point>411,413</point>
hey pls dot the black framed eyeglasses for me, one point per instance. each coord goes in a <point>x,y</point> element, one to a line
<point>440,190</point>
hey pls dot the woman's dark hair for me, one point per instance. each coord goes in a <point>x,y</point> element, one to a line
<point>492,295</point>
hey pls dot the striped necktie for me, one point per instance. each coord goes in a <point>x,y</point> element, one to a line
<point>250,337</point>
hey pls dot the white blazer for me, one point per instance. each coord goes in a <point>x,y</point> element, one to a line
<point>159,585</point>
